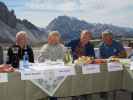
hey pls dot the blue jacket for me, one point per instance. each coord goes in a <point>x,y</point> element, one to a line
<point>89,48</point>
<point>107,51</point>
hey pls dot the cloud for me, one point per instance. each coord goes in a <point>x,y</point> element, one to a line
<point>91,6</point>
<point>55,5</point>
<point>118,12</point>
<point>104,5</point>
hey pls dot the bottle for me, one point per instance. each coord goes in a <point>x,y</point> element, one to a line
<point>131,58</point>
<point>26,60</point>
<point>15,57</point>
<point>68,59</point>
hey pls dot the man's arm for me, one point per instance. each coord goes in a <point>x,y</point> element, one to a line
<point>122,54</point>
<point>43,54</point>
<point>31,58</point>
<point>1,55</point>
<point>9,56</point>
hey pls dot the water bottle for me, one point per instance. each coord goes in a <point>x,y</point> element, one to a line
<point>68,59</point>
<point>26,60</point>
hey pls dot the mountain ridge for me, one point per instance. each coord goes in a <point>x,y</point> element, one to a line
<point>69,27</point>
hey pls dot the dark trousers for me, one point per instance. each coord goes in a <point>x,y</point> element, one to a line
<point>104,95</point>
<point>82,97</point>
<point>52,98</point>
<point>132,96</point>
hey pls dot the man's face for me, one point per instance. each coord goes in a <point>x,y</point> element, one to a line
<point>53,39</point>
<point>85,37</point>
<point>107,39</point>
<point>21,40</point>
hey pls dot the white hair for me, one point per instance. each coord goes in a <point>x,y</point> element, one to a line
<point>54,33</point>
<point>21,33</point>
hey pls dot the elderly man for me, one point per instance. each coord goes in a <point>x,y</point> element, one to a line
<point>82,46</point>
<point>110,47</point>
<point>16,52</point>
<point>53,50</point>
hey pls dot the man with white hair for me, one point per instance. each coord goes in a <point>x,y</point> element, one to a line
<point>16,51</point>
<point>53,50</point>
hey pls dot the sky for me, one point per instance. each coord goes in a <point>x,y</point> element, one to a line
<point>41,12</point>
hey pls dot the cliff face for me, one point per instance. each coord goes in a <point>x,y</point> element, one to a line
<point>10,25</point>
<point>6,16</point>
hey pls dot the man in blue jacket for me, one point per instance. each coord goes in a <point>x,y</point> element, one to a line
<point>109,47</point>
<point>82,46</point>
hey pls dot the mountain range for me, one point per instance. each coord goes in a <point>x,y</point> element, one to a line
<point>69,27</point>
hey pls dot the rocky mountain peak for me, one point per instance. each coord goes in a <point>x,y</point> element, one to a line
<point>6,16</point>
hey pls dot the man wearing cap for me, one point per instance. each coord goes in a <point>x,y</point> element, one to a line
<point>110,47</point>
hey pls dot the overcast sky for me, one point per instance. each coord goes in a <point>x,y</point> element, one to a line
<point>41,12</point>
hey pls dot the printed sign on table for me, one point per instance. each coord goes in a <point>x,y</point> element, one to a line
<point>90,68</point>
<point>131,66</point>
<point>29,75</point>
<point>114,66</point>
<point>67,71</point>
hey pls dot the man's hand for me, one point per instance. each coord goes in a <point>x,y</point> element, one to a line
<point>5,68</point>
